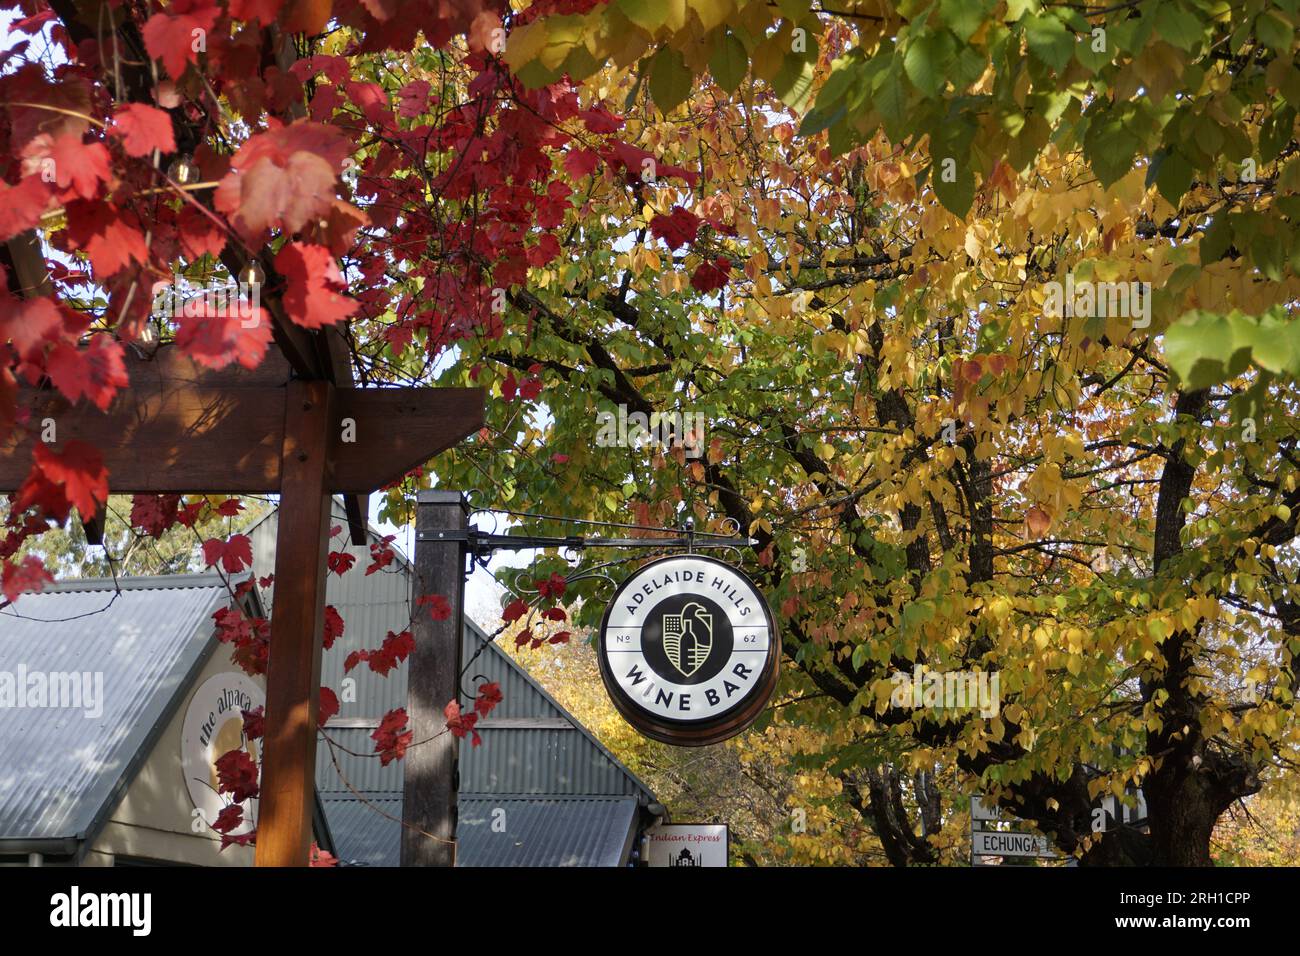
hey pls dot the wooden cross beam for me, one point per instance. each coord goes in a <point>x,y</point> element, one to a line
<point>178,428</point>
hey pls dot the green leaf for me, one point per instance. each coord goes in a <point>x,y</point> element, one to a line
<point>1049,40</point>
<point>670,80</point>
<point>1174,177</point>
<point>793,83</point>
<point>927,59</point>
<point>729,62</point>
<point>1194,346</point>
<point>958,194</point>
<point>891,101</point>
<point>964,17</point>
<point>1176,24</point>
<point>1274,32</point>
<point>1094,52</point>
<point>649,15</point>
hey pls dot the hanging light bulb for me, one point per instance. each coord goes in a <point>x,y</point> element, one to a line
<point>182,171</point>
<point>252,274</point>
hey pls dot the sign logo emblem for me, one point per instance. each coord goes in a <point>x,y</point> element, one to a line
<point>689,650</point>
<point>688,638</point>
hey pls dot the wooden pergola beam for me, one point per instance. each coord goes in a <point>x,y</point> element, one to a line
<point>222,433</point>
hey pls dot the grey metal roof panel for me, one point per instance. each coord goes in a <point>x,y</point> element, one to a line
<point>362,833</point>
<point>565,831</point>
<point>560,831</point>
<point>552,705</point>
<point>60,771</point>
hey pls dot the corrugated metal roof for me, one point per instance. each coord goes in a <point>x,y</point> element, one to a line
<point>363,835</point>
<point>520,831</point>
<point>60,770</point>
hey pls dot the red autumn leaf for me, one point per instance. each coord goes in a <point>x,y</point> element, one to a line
<point>218,340</point>
<point>188,514</point>
<point>198,234</point>
<point>641,165</point>
<point>263,11</point>
<point>230,818</point>
<point>413,99</point>
<point>143,129</point>
<point>230,507</point>
<point>74,165</point>
<point>523,637</point>
<point>561,637</point>
<point>552,587</point>
<point>154,514</point>
<point>395,649</point>
<point>600,120</point>
<point>400,645</point>
<point>711,276</point>
<point>381,554</point>
<point>29,324</point>
<point>546,249</point>
<point>329,706</point>
<point>461,724</point>
<point>110,236</point>
<point>580,162</point>
<point>284,176</point>
<point>96,372</point>
<point>509,387</point>
<point>514,610</point>
<point>439,608</point>
<point>292,193</point>
<point>234,554</point>
<point>237,774</point>
<point>340,562</point>
<point>319,857</point>
<point>255,722</point>
<point>391,738</point>
<point>677,228</point>
<point>334,626</point>
<point>314,297</point>
<point>28,575</point>
<point>22,206</point>
<point>79,471</point>
<point>489,695</point>
<point>554,614</point>
<point>171,36</point>
<point>530,388</point>
<point>244,839</point>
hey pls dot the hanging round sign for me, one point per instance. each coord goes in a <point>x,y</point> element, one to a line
<point>689,651</point>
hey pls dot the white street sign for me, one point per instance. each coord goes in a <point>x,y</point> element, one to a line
<point>986,843</point>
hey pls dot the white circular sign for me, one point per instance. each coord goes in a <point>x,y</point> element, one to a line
<point>214,725</point>
<point>689,650</point>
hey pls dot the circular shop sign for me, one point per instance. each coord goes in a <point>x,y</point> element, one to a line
<point>689,651</point>
<point>214,726</point>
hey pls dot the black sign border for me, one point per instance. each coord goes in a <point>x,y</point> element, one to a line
<point>693,733</point>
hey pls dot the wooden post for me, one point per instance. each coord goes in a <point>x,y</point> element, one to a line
<point>431,773</point>
<point>297,625</point>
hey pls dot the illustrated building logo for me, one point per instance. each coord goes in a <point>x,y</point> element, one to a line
<point>689,650</point>
<point>688,638</point>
